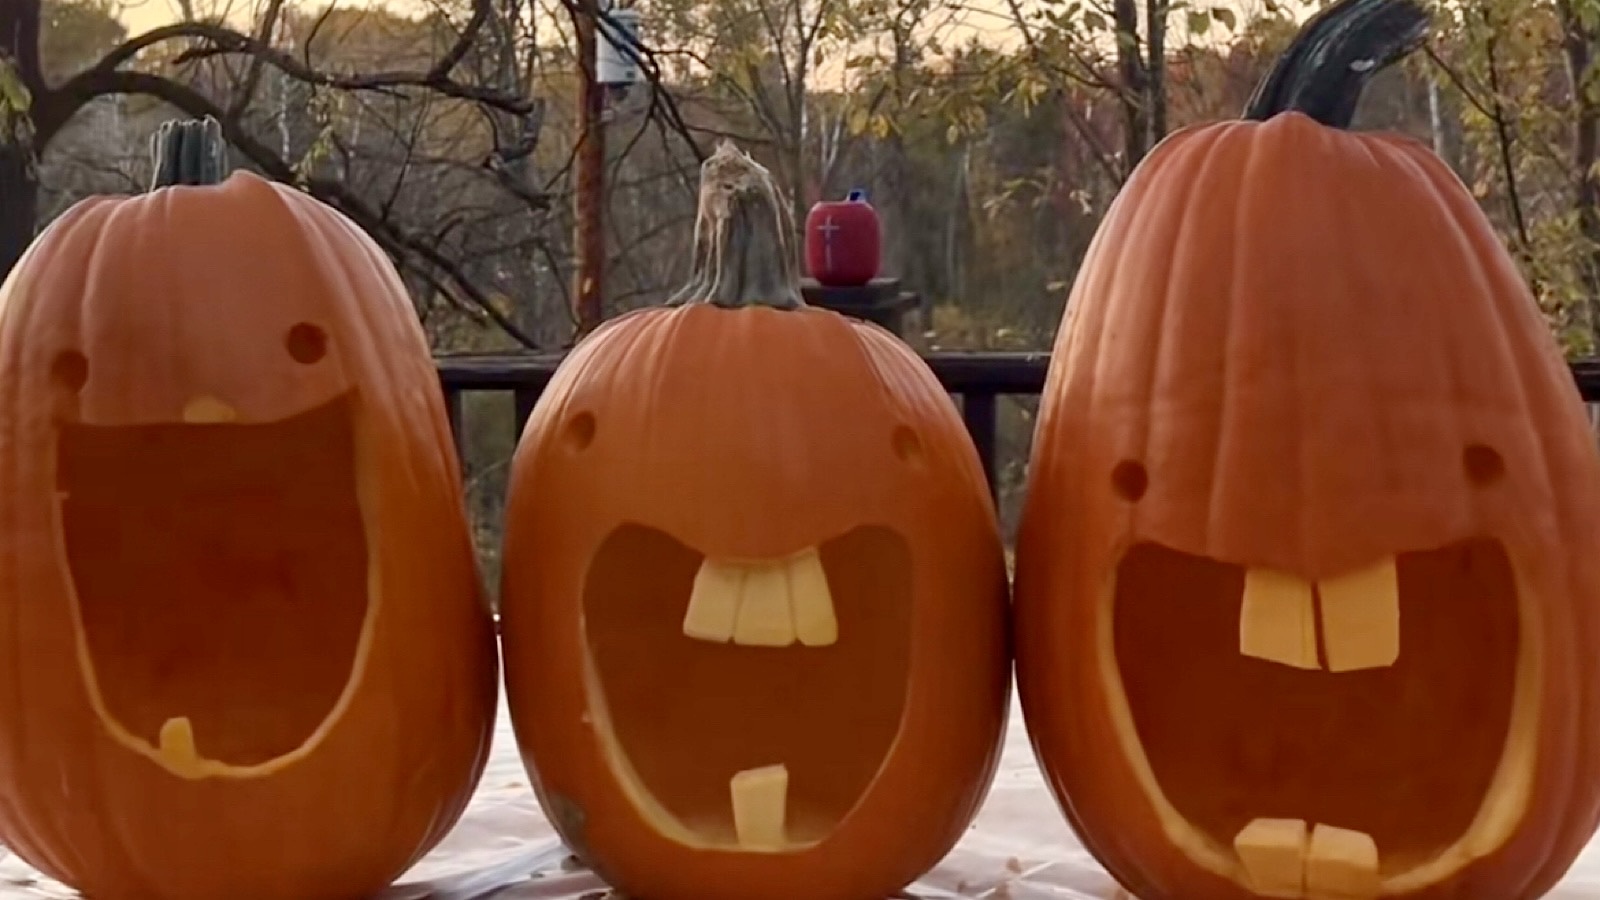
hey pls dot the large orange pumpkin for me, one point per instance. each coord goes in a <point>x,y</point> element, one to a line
<point>754,602</point>
<point>249,656</point>
<point>1308,597</point>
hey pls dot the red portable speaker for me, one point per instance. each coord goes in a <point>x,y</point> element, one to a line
<point>843,241</point>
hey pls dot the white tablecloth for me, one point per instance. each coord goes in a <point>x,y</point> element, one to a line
<point>1018,849</point>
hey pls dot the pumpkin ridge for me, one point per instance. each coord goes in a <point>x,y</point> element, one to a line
<point>1501,314</point>
<point>1093,320</point>
<point>1229,412</point>
<point>918,396</point>
<point>1191,228</point>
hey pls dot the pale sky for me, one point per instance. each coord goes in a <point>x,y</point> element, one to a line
<point>142,15</point>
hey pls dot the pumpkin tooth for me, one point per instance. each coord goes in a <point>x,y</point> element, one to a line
<point>1278,619</point>
<point>811,601</point>
<point>1341,865</point>
<point>765,619</point>
<point>1273,853</point>
<point>760,800</point>
<point>1361,618</point>
<point>177,743</point>
<point>714,602</point>
<point>206,409</point>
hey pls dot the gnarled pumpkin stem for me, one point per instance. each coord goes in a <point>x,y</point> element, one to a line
<point>1324,71</point>
<point>742,255</point>
<point>188,152</point>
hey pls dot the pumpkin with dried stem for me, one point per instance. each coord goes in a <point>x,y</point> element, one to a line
<point>754,595</point>
<point>250,652</point>
<point>1308,602</point>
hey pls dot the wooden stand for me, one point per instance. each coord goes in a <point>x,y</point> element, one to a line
<point>880,301</point>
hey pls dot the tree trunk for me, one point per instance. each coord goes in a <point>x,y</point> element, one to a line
<point>1134,92</point>
<point>1155,92</point>
<point>1444,113</point>
<point>588,294</point>
<point>19,184</point>
<point>895,201</point>
<point>20,205</point>
<point>1578,42</point>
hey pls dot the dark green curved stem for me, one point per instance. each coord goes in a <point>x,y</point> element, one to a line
<point>1324,71</point>
<point>188,152</point>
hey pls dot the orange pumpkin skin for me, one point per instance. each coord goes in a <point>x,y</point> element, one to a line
<point>751,433</point>
<point>268,304</point>
<point>1306,387</point>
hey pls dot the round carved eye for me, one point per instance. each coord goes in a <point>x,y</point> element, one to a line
<point>306,343</point>
<point>1483,464</point>
<point>70,369</point>
<point>906,444</point>
<point>1130,480</point>
<point>579,431</point>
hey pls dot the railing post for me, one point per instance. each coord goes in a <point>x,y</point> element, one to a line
<point>980,411</point>
<point>524,398</point>
<point>453,411</point>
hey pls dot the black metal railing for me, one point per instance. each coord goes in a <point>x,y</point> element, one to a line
<point>977,379</point>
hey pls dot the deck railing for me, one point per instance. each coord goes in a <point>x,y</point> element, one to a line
<point>976,379</point>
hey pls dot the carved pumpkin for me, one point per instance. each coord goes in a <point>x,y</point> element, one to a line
<point>754,601</point>
<point>1308,596</point>
<point>250,656</point>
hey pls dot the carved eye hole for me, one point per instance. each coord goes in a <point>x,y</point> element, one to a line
<point>1130,480</point>
<point>579,432</point>
<point>1483,464</point>
<point>306,343</point>
<point>906,444</point>
<point>70,370</point>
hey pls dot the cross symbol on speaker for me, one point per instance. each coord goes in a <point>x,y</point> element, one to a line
<point>828,227</point>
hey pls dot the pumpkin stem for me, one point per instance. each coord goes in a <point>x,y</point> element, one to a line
<point>188,152</point>
<point>1330,62</point>
<point>741,237</point>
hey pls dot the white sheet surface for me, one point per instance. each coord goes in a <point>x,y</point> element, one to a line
<point>1019,848</point>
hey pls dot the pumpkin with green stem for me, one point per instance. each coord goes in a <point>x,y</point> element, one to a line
<point>754,595</point>
<point>251,656</point>
<point>1308,603</point>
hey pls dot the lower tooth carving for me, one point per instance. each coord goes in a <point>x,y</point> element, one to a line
<point>177,743</point>
<point>1273,853</point>
<point>764,618</point>
<point>1361,618</point>
<point>1278,620</point>
<point>1281,861</point>
<point>1341,865</point>
<point>760,800</point>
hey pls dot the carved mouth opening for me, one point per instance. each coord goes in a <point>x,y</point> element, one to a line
<point>748,704</point>
<point>1347,737</point>
<point>221,581</point>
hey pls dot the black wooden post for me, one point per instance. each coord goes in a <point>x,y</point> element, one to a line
<point>879,300</point>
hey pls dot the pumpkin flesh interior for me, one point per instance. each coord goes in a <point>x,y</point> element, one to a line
<point>1410,754</point>
<point>220,573</point>
<point>678,717</point>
